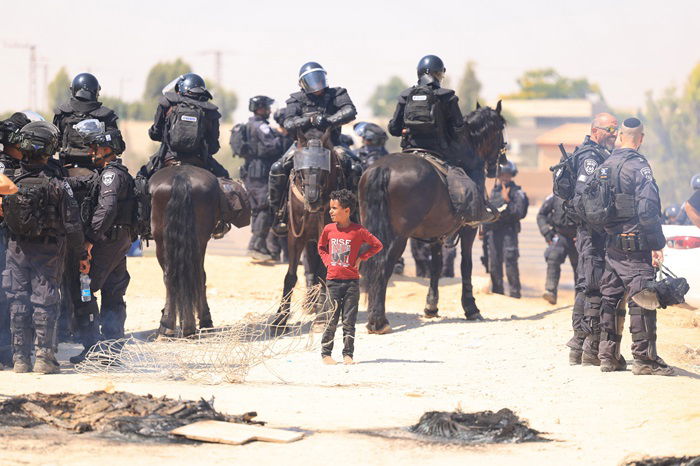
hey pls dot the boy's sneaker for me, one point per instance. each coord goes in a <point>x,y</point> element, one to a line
<point>656,367</point>
<point>550,297</point>
<point>329,360</point>
<point>347,360</point>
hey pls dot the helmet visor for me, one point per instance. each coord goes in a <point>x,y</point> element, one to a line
<point>90,129</point>
<point>313,80</point>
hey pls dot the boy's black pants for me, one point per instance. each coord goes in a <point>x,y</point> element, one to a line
<point>346,295</point>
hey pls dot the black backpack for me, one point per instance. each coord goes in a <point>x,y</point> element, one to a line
<point>602,201</point>
<point>186,127</point>
<point>240,141</point>
<point>29,212</point>
<point>422,111</point>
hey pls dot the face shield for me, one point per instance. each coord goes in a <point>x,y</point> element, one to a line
<point>170,87</point>
<point>314,156</point>
<point>90,130</point>
<point>313,80</point>
<point>33,116</point>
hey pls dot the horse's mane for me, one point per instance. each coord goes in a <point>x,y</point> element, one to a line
<point>481,123</point>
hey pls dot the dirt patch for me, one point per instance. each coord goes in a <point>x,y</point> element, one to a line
<point>666,461</point>
<point>121,413</point>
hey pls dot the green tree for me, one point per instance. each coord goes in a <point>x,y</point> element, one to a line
<point>672,137</point>
<point>383,99</point>
<point>546,83</point>
<point>160,75</point>
<point>226,100</point>
<point>58,88</point>
<point>469,88</point>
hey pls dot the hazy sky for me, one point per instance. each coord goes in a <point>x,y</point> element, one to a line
<point>625,46</point>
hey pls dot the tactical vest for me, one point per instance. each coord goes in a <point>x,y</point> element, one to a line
<point>127,211</point>
<point>186,127</point>
<point>33,210</point>
<point>72,144</point>
<point>602,201</point>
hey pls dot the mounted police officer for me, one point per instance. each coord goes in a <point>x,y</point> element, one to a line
<point>43,220</point>
<point>634,247</point>
<point>501,236</point>
<point>107,213</point>
<point>373,141</point>
<point>590,244</point>
<point>83,105</point>
<point>559,231</point>
<point>314,109</point>
<point>263,147</point>
<point>187,125</point>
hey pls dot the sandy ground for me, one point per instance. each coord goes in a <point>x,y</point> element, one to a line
<point>515,359</point>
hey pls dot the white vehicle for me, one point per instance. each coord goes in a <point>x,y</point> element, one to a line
<point>682,257</point>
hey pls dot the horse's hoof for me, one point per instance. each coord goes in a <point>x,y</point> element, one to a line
<point>430,313</point>
<point>382,331</point>
<point>206,324</point>
<point>474,316</point>
<point>318,327</point>
<point>165,333</point>
<point>278,330</point>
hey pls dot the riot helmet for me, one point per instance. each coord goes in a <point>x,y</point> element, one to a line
<point>93,132</point>
<point>33,116</point>
<point>280,115</point>
<point>371,133</point>
<point>312,77</point>
<point>259,101</point>
<point>38,139</point>
<point>192,85</point>
<point>509,168</point>
<point>672,211</point>
<point>431,65</point>
<point>85,87</point>
<point>695,182</point>
<point>10,128</point>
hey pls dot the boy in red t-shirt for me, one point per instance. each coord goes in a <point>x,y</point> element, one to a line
<point>339,248</point>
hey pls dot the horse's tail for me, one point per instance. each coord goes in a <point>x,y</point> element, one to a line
<point>378,221</point>
<point>184,275</point>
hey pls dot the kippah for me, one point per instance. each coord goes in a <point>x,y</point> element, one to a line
<point>631,122</point>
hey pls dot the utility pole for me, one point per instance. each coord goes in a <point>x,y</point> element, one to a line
<point>218,55</point>
<point>32,71</point>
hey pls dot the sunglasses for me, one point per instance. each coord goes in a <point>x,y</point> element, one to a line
<point>608,129</point>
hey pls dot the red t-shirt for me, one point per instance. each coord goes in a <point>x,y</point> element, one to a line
<point>339,249</point>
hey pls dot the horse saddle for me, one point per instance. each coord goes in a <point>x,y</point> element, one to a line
<point>467,201</point>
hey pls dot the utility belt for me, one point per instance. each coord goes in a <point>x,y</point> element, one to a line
<point>113,232</point>
<point>35,239</point>
<point>629,242</point>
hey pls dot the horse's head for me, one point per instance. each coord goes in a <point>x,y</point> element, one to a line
<point>312,168</point>
<point>485,127</point>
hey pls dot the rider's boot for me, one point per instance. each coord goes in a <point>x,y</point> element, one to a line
<point>277,185</point>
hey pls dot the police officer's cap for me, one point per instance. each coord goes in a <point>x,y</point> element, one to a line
<point>39,138</point>
<point>85,87</point>
<point>509,168</point>
<point>695,181</point>
<point>259,101</point>
<point>430,64</point>
<point>312,77</point>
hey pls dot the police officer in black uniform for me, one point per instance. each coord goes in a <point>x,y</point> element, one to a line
<point>43,220</point>
<point>309,112</point>
<point>671,214</point>
<point>501,236</point>
<point>190,92</point>
<point>559,231</point>
<point>107,213</point>
<point>266,146</point>
<point>83,105</point>
<point>373,143</point>
<point>634,247</point>
<point>682,218</point>
<point>590,244</point>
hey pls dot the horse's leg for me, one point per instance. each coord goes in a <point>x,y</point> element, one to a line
<point>376,295</point>
<point>431,302</point>
<point>471,311</point>
<point>168,319</point>
<point>296,246</point>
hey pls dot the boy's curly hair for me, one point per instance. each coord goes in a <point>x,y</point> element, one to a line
<point>345,198</point>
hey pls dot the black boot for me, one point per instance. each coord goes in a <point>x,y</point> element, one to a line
<point>277,188</point>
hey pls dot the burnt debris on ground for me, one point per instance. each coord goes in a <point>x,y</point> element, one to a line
<point>475,428</point>
<point>665,461</point>
<point>128,415</point>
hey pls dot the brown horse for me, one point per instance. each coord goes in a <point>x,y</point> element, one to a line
<point>403,196</point>
<point>307,205</point>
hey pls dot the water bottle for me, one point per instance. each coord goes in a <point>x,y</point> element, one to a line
<point>85,293</point>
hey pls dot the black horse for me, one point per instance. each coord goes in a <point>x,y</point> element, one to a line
<point>403,196</point>
<point>185,209</point>
<point>307,204</point>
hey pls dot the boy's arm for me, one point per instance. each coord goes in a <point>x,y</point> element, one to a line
<point>323,248</point>
<point>374,245</point>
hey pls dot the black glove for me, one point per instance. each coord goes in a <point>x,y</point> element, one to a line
<point>319,121</point>
<point>549,236</point>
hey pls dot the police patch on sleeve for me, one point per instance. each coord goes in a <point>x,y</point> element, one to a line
<point>265,128</point>
<point>589,166</point>
<point>2,167</point>
<point>108,178</point>
<point>68,189</point>
<point>646,172</point>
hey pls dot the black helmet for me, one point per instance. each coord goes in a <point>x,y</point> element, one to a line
<point>10,128</point>
<point>259,101</point>
<point>672,211</point>
<point>509,168</point>
<point>192,84</point>
<point>85,87</point>
<point>432,65</point>
<point>280,115</point>
<point>312,77</point>
<point>38,139</point>
<point>371,132</point>
<point>93,132</point>
<point>695,181</point>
